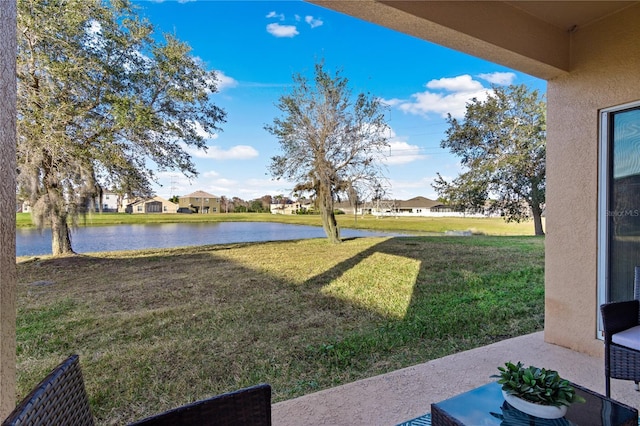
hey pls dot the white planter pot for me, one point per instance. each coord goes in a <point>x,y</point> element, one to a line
<point>538,410</point>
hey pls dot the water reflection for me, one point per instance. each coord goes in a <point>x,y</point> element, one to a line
<point>31,242</point>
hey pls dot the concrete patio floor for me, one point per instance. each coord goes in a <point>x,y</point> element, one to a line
<point>404,394</point>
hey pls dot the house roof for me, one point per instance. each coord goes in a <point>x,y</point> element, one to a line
<point>418,202</point>
<point>146,200</point>
<point>199,194</point>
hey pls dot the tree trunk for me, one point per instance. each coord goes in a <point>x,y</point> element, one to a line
<point>100,198</point>
<point>60,239</point>
<point>329,222</point>
<point>537,221</point>
<point>8,272</point>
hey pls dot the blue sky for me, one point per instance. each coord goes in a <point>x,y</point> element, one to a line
<point>256,47</point>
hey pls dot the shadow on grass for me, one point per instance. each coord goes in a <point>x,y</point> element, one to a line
<point>156,329</point>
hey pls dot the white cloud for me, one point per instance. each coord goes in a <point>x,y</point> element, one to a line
<point>238,152</point>
<point>201,132</point>
<point>172,177</point>
<point>401,152</point>
<point>462,83</point>
<point>278,30</point>
<point>223,81</point>
<point>313,22</point>
<point>224,181</point>
<point>404,190</point>
<point>445,96</point>
<point>501,78</point>
<point>391,102</point>
<point>273,14</point>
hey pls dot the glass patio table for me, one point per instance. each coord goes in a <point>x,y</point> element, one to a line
<point>486,406</point>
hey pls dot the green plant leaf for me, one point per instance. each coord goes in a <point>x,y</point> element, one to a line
<point>537,385</point>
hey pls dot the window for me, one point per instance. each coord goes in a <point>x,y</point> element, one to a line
<point>154,207</point>
<point>619,202</point>
<point>139,208</point>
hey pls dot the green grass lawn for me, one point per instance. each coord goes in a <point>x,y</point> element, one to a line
<point>156,329</point>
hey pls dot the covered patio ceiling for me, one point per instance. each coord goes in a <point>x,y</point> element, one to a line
<point>530,36</point>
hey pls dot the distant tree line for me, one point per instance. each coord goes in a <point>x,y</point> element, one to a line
<point>238,205</point>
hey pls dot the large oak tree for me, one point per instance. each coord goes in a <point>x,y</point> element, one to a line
<point>101,104</point>
<point>332,143</point>
<point>502,145</point>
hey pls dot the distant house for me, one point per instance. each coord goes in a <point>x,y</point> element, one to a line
<point>152,205</point>
<point>199,202</point>
<point>284,206</point>
<point>111,202</point>
<point>417,206</point>
<point>287,206</point>
<point>22,205</point>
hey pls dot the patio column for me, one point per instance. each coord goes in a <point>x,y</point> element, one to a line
<point>8,275</point>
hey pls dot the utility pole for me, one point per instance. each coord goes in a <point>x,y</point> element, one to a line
<point>172,187</point>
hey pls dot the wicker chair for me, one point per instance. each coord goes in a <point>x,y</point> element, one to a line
<point>59,399</point>
<point>245,407</point>
<point>621,323</point>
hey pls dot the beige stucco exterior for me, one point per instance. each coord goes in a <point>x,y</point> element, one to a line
<point>152,205</point>
<point>200,202</point>
<point>589,53</point>
<point>605,72</point>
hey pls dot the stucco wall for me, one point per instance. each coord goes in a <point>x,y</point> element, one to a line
<point>605,71</point>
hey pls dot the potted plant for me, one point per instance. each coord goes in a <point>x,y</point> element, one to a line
<point>536,391</point>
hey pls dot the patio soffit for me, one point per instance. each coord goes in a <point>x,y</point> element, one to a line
<point>530,36</point>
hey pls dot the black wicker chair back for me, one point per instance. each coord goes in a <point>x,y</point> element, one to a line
<point>621,362</point>
<point>59,399</point>
<point>245,407</point>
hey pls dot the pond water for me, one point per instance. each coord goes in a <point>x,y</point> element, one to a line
<point>31,242</point>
